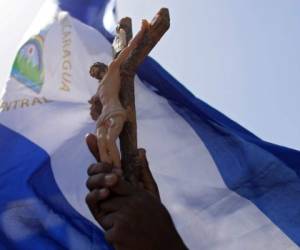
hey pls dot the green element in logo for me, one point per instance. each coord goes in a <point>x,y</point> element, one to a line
<point>28,67</point>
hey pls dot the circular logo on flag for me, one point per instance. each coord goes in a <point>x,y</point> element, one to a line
<point>28,67</point>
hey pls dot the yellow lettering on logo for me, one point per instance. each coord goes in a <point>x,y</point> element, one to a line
<point>67,54</point>
<point>4,106</point>
<point>65,87</point>
<point>66,34</point>
<point>46,100</point>
<point>66,30</point>
<point>14,104</point>
<point>66,77</point>
<point>66,43</point>
<point>35,101</point>
<point>66,22</point>
<point>24,103</point>
<point>67,65</point>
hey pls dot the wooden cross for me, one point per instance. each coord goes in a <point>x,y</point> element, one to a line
<point>128,137</point>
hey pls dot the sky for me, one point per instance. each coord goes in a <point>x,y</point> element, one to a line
<point>241,57</point>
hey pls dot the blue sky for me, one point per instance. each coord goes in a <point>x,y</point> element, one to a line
<point>241,57</point>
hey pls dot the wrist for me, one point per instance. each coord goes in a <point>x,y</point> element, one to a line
<point>175,241</point>
<point>173,238</point>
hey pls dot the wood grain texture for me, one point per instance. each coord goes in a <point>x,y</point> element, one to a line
<point>128,137</point>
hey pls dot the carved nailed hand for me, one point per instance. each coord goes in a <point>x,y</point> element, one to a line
<point>113,116</point>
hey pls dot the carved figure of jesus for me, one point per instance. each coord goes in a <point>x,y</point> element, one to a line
<point>113,116</point>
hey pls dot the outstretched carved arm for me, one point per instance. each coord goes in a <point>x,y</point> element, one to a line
<point>133,43</point>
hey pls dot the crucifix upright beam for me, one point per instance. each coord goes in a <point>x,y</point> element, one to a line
<point>128,137</point>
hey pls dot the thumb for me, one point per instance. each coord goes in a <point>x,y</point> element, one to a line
<point>91,141</point>
<point>146,176</point>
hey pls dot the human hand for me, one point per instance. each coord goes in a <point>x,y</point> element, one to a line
<point>146,180</point>
<point>133,218</point>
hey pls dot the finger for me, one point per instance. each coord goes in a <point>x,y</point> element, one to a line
<point>110,236</point>
<point>99,181</point>
<point>146,175</point>
<point>92,199</point>
<point>107,221</point>
<point>116,237</point>
<point>113,204</point>
<point>122,188</point>
<point>98,168</point>
<point>101,140</point>
<point>91,141</point>
<point>118,171</point>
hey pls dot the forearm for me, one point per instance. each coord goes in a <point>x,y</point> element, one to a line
<point>172,238</point>
<point>176,243</point>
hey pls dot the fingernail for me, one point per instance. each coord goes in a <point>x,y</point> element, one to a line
<point>117,171</point>
<point>110,179</point>
<point>103,192</point>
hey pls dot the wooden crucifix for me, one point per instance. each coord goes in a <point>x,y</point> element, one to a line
<point>113,106</point>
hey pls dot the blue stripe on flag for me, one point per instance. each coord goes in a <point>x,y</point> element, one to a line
<point>168,87</point>
<point>90,12</point>
<point>34,212</point>
<point>247,164</point>
<point>253,173</point>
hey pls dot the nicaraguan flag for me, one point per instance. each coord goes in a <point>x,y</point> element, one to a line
<point>224,187</point>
